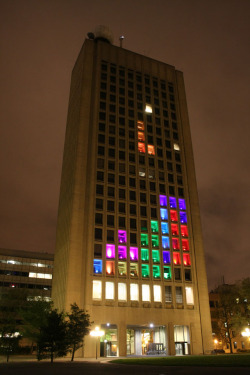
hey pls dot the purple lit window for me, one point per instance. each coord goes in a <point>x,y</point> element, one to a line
<point>183,217</point>
<point>110,251</point>
<point>133,253</point>
<point>122,252</point>
<point>166,257</point>
<point>163,200</point>
<point>164,213</point>
<point>122,236</point>
<point>172,202</point>
<point>182,204</point>
<point>165,242</point>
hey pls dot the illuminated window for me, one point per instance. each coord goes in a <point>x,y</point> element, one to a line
<point>122,268</point>
<point>163,200</point>
<point>40,275</point>
<point>141,137</point>
<point>174,230</point>
<point>145,270</point>
<point>184,231</point>
<point>166,257</point>
<point>157,293</point>
<point>110,268</point>
<point>110,251</point>
<point>151,150</point>
<point>141,147</point>
<point>189,295</point>
<point>122,236</point>
<point>140,125</point>
<point>154,226</point>
<point>182,204</point>
<point>155,256</point>
<point>148,108</point>
<point>97,289</point>
<point>173,215</point>
<point>134,292</point>
<point>164,213</point>
<point>98,266</point>
<point>183,217</point>
<point>144,239</point>
<point>134,269</point>
<point>186,260</point>
<point>122,292</point>
<point>165,242</point>
<point>176,147</point>
<point>109,290</point>
<point>133,253</point>
<point>122,252</point>
<point>142,172</point>
<point>164,228</point>
<point>145,293</point>
<point>175,243</point>
<point>155,240</point>
<point>144,255</point>
<point>185,245</point>
<point>156,272</point>
<point>176,259</point>
<point>167,273</point>
<point>172,202</point>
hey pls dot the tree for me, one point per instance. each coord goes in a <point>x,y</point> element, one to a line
<point>78,326</point>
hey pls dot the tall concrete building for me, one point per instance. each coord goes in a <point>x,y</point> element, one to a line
<point>129,244</point>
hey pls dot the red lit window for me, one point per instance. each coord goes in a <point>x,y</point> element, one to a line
<point>141,137</point>
<point>140,125</point>
<point>151,150</point>
<point>186,260</point>
<point>141,147</point>
<point>174,229</point>
<point>110,268</point>
<point>185,245</point>
<point>176,245</point>
<point>173,215</point>
<point>176,259</point>
<point>184,231</point>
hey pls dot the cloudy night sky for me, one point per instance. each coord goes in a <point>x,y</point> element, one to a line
<point>207,40</point>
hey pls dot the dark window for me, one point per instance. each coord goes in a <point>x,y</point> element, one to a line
<point>112,141</point>
<point>152,186</point>
<point>159,141</point>
<point>122,222</point>
<point>143,210</point>
<point>177,157</point>
<point>98,218</point>
<point>133,224</point>
<point>100,176</point>
<point>110,235</point>
<point>161,176</point>
<point>122,167</point>
<point>131,146</point>
<point>97,250</point>
<point>170,178</point>
<point>111,165</point>
<point>169,155</point>
<point>102,115</point>
<point>144,225</point>
<point>150,128</point>
<point>112,98</point>
<point>132,209</point>
<point>111,192</point>
<point>131,123</point>
<point>180,192</point>
<point>131,134</point>
<point>121,132</point>
<point>100,163</point>
<point>168,144</point>
<point>142,184</point>
<point>141,159</point>
<point>132,182</point>
<point>110,205</point>
<point>171,190</point>
<point>152,199</point>
<point>179,180</point>
<point>131,158</point>
<point>122,208</point>
<point>169,166</point>
<point>159,152</point>
<point>122,193</point>
<point>187,275</point>
<point>132,195</point>
<point>98,233</point>
<point>99,204</point>
<point>121,155</point>
<point>111,129</point>
<point>121,101</point>
<point>150,139</point>
<point>151,162</point>
<point>102,127</point>
<point>122,180</point>
<point>161,164</point>
<point>110,220</point>
<point>103,94</point>
<point>133,239</point>
<point>178,168</point>
<point>154,213</point>
<point>111,178</point>
<point>99,189</point>
<point>131,169</point>
<point>121,121</point>
<point>177,274</point>
<point>143,198</point>
<point>101,150</point>
<point>111,152</point>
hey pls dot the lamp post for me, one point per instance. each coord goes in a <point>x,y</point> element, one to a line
<point>96,333</point>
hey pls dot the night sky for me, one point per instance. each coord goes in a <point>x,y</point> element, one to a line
<point>207,40</point>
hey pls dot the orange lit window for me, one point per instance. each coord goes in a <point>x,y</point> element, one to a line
<point>140,125</point>
<point>141,137</point>
<point>176,245</point>
<point>174,229</point>
<point>185,245</point>
<point>186,260</point>
<point>176,259</point>
<point>173,215</point>
<point>110,268</point>
<point>141,147</point>
<point>151,150</point>
<point>184,231</point>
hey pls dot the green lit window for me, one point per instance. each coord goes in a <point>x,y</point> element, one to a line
<point>134,269</point>
<point>155,256</point>
<point>144,255</point>
<point>144,239</point>
<point>167,273</point>
<point>156,272</point>
<point>122,268</point>
<point>155,241</point>
<point>145,270</point>
<point>154,226</point>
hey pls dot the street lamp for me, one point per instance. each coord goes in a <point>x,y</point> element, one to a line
<point>97,334</point>
<point>246,333</point>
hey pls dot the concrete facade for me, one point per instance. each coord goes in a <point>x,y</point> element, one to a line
<point>128,166</point>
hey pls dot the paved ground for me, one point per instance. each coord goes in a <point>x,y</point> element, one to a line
<point>106,368</point>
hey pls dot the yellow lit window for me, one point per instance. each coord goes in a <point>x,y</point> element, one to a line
<point>109,290</point>
<point>141,137</point>
<point>122,292</point>
<point>189,295</point>
<point>140,125</point>
<point>148,108</point>
<point>145,293</point>
<point>151,150</point>
<point>134,292</point>
<point>97,289</point>
<point>157,293</point>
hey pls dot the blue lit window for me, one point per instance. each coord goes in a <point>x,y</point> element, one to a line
<point>182,204</point>
<point>164,228</point>
<point>183,217</point>
<point>97,266</point>
<point>166,257</point>
<point>164,213</point>
<point>165,242</point>
<point>172,202</point>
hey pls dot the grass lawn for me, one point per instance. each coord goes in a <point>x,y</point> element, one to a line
<point>226,360</point>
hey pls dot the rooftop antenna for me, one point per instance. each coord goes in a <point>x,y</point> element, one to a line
<point>121,40</point>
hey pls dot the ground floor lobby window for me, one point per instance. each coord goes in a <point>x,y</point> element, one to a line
<point>146,340</point>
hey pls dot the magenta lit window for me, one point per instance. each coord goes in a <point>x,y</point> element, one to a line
<point>122,252</point>
<point>122,236</point>
<point>163,200</point>
<point>133,253</point>
<point>110,251</point>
